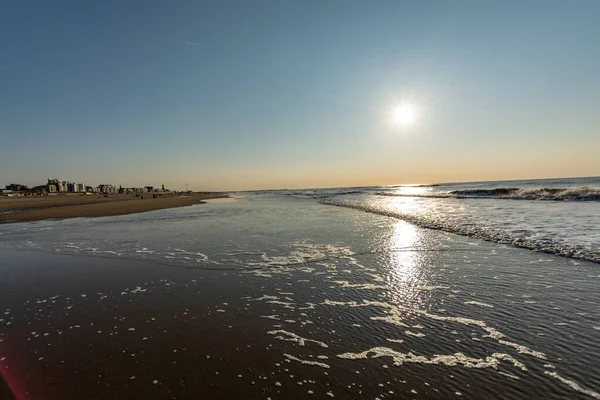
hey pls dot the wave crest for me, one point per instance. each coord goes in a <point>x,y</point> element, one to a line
<point>583,193</point>
<point>543,245</point>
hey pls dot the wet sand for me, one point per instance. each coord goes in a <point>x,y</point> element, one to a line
<point>286,298</point>
<point>181,334</point>
<point>36,208</point>
<point>103,328</point>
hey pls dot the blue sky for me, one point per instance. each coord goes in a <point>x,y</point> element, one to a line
<point>269,94</point>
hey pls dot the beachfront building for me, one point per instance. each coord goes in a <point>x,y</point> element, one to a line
<point>76,187</point>
<point>40,189</point>
<point>132,190</point>
<point>107,189</point>
<point>16,187</point>
<point>58,184</point>
<point>51,188</point>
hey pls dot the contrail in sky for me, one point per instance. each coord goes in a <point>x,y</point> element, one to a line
<point>194,44</point>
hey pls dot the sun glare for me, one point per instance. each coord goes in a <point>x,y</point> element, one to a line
<point>403,115</point>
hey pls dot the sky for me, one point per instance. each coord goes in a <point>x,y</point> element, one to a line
<point>235,95</point>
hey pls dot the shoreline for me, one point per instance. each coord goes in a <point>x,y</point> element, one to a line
<point>30,209</point>
<point>276,296</point>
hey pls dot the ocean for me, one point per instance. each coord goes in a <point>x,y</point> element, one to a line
<point>465,290</point>
<point>557,216</point>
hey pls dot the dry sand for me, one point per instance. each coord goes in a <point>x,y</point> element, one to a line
<point>35,208</point>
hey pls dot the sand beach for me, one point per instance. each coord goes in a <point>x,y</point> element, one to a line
<point>36,208</point>
<point>281,297</point>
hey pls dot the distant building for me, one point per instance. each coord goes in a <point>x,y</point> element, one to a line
<point>51,188</point>
<point>134,190</point>
<point>60,185</point>
<point>107,189</point>
<point>41,189</point>
<point>149,189</point>
<point>16,187</point>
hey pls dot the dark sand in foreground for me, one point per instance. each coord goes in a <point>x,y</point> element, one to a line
<point>75,327</point>
<point>134,330</point>
<point>59,207</point>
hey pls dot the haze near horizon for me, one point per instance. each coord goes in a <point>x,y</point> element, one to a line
<point>239,95</point>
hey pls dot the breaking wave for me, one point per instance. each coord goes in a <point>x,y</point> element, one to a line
<point>583,193</point>
<point>544,245</point>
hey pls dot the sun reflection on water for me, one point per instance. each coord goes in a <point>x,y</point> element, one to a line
<point>407,272</point>
<point>416,190</point>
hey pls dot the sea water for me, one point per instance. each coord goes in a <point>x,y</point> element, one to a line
<point>558,216</point>
<point>490,303</point>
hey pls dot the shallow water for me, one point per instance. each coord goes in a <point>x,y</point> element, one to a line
<point>570,229</point>
<point>557,216</point>
<point>286,298</point>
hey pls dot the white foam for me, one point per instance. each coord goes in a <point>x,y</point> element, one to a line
<point>264,297</point>
<point>426,287</point>
<point>292,337</point>
<point>285,304</point>
<point>574,385</point>
<point>342,303</point>
<point>450,360</point>
<point>477,303</point>
<point>523,349</point>
<point>306,362</point>
<point>274,317</point>
<point>366,286</point>
<point>511,376</point>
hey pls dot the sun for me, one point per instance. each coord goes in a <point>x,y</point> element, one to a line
<point>404,115</point>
